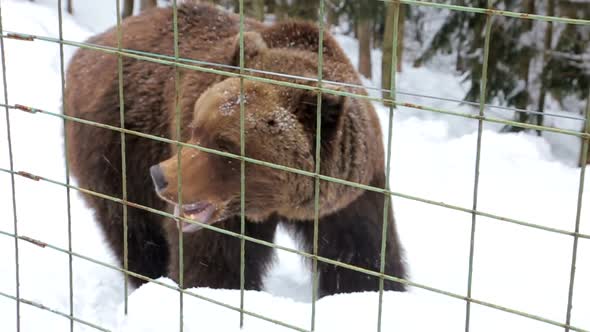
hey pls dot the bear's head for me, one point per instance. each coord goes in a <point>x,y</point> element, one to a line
<point>279,127</point>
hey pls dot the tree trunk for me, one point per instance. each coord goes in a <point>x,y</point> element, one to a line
<point>332,14</point>
<point>307,10</point>
<point>388,47</point>
<point>146,4</point>
<point>364,35</point>
<point>460,61</point>
<point>582,147</point>
<point>525,64</point>
<point>281,10</point>
<point>127,8</point>
<point>546,58</point>
<point>271,6</point>
<point>400,36</point>
<point>523,100</point>
<point>301,9</point>
<point>258,8</point>
<point>252,8</point>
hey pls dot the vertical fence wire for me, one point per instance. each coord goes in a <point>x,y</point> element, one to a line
<point>123,154</point>
<point>178,118</point>
<point>318,144</point>
<point>13,187</point>
<point>387,198</point>
<point>67,164</point>
<point>583,166</point>
<point>242,100</point>
<point>482,99</point>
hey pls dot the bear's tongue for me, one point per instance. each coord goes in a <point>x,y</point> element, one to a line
<point>200,211</point>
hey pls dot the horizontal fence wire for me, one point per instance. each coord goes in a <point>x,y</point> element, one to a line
<point>136,275</point>
<point>155,58</point>
<point>180,63</point>
<point>43,307</point>
<point>491,11</point>
<point>302,172</point>
<point>307,255</point>
<point>207,226</point>
<point>309,79</point>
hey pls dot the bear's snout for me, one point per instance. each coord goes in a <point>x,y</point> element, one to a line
<point>158,178</point>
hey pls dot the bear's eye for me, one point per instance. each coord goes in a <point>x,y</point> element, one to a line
<point>226,145</point>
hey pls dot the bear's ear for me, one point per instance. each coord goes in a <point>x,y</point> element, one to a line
<point>254,44</point>
<point>332,109</point>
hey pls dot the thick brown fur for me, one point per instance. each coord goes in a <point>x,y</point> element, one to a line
<point>280,128</point>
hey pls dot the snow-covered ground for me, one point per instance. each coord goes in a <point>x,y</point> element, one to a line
<point>433,157</point>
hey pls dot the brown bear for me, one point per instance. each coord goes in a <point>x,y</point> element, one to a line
<point>280,127</point>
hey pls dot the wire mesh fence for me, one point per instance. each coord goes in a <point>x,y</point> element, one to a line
<point>321,86</point>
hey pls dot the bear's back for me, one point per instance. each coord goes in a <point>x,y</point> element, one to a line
<point>203,32</point>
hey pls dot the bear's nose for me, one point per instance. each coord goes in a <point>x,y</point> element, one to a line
<point>158,178</point>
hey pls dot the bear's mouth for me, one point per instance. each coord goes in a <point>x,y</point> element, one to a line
<point>199,211</point>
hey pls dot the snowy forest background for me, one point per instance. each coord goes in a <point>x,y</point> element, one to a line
<point>536,66</point>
